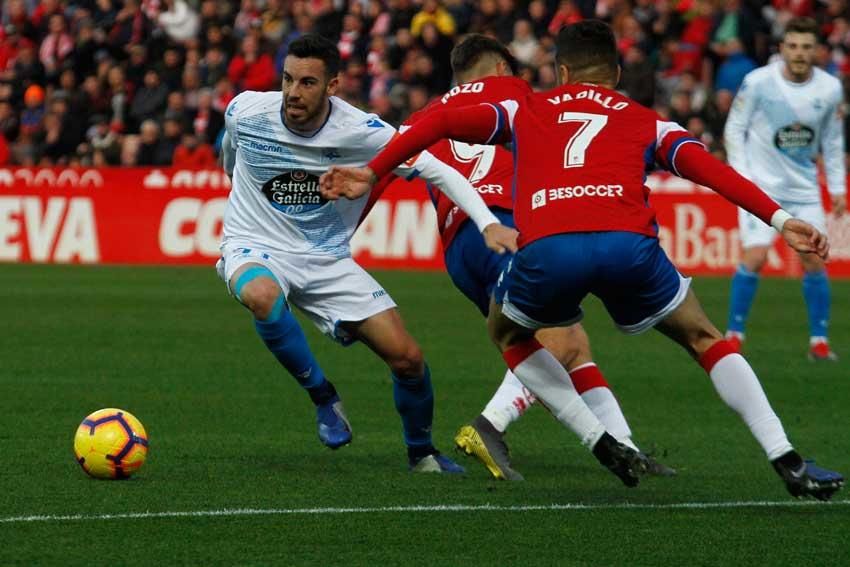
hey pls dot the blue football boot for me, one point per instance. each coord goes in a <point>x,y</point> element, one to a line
<point>437,463</point>
<point>334,429</point>
<point>804,478</point>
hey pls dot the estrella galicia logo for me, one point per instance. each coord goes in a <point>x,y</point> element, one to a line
<point>794,137</point>
<point>294,192</point>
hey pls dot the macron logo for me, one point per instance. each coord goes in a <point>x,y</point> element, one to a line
<point>538,199</point>
<point>266,147</point>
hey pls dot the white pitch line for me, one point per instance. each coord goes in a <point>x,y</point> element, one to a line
<point>232,512</point>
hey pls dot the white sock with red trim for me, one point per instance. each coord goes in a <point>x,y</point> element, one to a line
<point>508,403</point>
<point>739,387</point>
<point>544,376</point>
<point>590,383</point>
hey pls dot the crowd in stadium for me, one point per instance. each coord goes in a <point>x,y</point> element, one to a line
<point>146,82</point>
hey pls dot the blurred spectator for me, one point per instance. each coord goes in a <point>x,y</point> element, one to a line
<point>171,69</point>
<point>146,154</point>
<point>9,123</point>
<point>28,70</point>
<point>538,15</point>
<point>179,20</point>
<point>172,132</point>
<point>56,47</point>
<point>149,101</point>
<point>568,13</point>
<point>137,65</point>
<point>438,48</point>
<point>131,26</point>
<point>433,12</point>
<point>32,117</point>
<point>353,43</point>
<point>213,66</point>
<point>251,69</point>
<point>734,68</point>
<point>192,154</point>
<point>104,139</point>
<point>94,63</point>
<point>525,45</point>
<point>207,122</point>
<point>638,76</point>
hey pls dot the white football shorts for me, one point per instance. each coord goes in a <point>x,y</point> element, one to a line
<point>755,233</point>
<point>328,290</point>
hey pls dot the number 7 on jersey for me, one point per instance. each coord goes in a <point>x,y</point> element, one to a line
<point>589,127</point>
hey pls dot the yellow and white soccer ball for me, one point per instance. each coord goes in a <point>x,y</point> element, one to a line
<point>111,443</point>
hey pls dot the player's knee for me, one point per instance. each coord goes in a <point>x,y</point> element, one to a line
<point>572,347</point>
<point>408,362</point>
<point>754,259</point>
<point>261,297</point>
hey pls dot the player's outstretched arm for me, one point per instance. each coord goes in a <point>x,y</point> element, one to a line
<point>354,182</point>
<point>694,163</point>
<point>478,124</point>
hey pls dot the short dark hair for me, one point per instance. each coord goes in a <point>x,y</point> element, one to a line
<point>801,25</point>
<point>469,52</point>
<point>587,48</point>
<point>314,46</point>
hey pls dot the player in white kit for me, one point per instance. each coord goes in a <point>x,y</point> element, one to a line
<point>285,245</point>
<point>785,115</point>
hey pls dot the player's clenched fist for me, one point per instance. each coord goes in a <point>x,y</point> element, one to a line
<point>804,238</point>
<point>348,182</point>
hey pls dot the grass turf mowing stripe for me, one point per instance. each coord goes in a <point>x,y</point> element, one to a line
<point>229,512</point>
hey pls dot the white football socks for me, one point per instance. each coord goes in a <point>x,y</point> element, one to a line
<point>544,376</point>
<point>508,403</point>
<point>738,386</point>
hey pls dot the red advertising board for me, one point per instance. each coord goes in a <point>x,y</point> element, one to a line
<point>170,216</point>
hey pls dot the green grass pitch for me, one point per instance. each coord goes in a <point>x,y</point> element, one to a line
<point>230,430</point>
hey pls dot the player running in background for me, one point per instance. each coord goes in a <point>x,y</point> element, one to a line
<point>582,153</point>
<point>783,116</point>
<point>283,243</point>
<point>484,70</point>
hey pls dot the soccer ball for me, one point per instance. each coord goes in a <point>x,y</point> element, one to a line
<point>111,443</point>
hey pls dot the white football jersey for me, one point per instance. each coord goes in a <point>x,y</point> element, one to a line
<point>274,201</point>
<point>777,128</point>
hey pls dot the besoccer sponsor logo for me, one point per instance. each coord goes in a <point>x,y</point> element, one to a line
<point>543,196</point>
<point>538,199</point>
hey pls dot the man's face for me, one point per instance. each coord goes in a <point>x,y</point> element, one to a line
<point>306,89</point>
<point>798,52</point>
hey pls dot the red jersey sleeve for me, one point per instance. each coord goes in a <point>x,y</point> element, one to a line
<point>479,124</point>
<point>694,163</point>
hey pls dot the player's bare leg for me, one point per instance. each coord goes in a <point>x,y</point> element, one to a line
<point>743,292</point>
<point>818,298</point>
<point>739,388</point>
<point>386,335</point>
<point>256,287</point>
<point>547,379</point>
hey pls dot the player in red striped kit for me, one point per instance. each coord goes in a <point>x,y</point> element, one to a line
<point>586,226</point>
<point>484,72</point>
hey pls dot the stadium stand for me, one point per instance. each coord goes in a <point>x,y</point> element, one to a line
<point>145,82</point>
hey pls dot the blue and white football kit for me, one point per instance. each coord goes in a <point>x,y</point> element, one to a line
<point>277,221</point>
<point>775,131</point>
